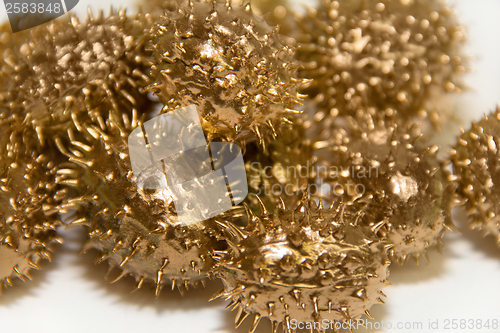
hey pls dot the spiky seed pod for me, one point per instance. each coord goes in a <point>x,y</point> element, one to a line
<point>65,69</point>
<point>231,64</point>
<point>307,264</point>
<point>283,173</point>
<point>133,228</point>
<point>29,200</point>
<point>55,78</point>
<point>392,55</point>
<point>400,178</point>
<point>476,164</point>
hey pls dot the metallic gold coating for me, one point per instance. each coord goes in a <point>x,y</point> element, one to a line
<point>57,78</point>
<point>135,230</point>
<point>67,69</point>
<point>398,56</point>
<point>231,64</point>
<point>476,163</point>
<point>275,12</point>
<point>306,264</point>
<point>29,201</point>
<point>74,91</point>
<point>401,180</point>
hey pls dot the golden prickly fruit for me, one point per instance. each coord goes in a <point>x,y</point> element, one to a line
<point>229,63</point>
<point>134,229</point>
<point>476,163</point>
<point>306,264</point>
<point>401,179</point>
<point>58,78</point>
<point>395,55</point>
<point>62,71</point>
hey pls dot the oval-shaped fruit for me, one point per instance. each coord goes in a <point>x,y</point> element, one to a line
<point>400,178</point>
<point>393,55</point>
<point>229,63</point>
<point>306,264</point>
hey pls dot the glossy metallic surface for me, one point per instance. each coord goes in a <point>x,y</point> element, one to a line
<point>231,64</point>
<point>29,202</point>
<point>308,264</point>
<point>386,166</point>
<point>476,163</point>
<point>401,57</point>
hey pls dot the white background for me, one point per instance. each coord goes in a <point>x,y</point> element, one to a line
<point>70,294</point>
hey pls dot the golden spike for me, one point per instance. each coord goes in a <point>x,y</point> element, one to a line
<point>296,295</point>
<point>158,282</point>
<point>236,304</point>
<point>263,209</point>
<point>315,303</point>
<point>378,226</point>
<point>270,307</point>
<point>119,277</point>
<point>139,284</point>
<point>368,314</point>
<point>239,319</point>
<point>127,258</point>
<point>275,326</point>
<point>255,323</point>
<point>281,205</point>
<point>219,294</point>
<point>32,264</point>
<point>234,231</point>
<point>230,304</point>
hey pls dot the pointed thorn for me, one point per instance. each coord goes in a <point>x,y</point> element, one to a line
<point>368,314</point>
<point>255,323</point>
<point>241,318</point>
<point>158,283</point>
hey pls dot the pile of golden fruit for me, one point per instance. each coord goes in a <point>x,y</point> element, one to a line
<point>332,109</point>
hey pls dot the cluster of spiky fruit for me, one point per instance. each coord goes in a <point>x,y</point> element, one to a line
<point>72,93</point>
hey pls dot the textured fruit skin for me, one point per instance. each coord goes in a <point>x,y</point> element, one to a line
<point>306,263</point>
<point>231,65</point>
<point>29,202</point>
<point>386,166</point>
<point>56,79</point>
<point>275,12</point>
<point>396,56</point>
<point>134,229</point>
<point>65,70</point>
<point>476,163</point>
